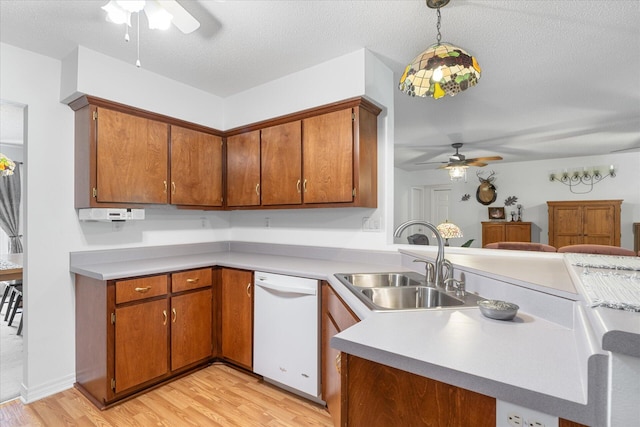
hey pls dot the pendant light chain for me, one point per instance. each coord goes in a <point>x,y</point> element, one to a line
<point>438,25</point>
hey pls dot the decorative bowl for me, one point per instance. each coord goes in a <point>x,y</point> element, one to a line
<point>499,310</point>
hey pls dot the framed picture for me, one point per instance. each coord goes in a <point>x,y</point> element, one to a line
<point>496,213</point>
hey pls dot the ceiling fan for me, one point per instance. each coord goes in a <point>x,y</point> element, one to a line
<point>160,14</point>
<point>458,160</point>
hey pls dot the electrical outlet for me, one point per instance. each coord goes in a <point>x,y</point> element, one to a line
<point>371,224</point>
<point>267,222</point>
<point>514,420</point>
<point>510,415</point>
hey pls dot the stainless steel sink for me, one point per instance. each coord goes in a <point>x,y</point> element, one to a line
<point>380,280</point>
<point>410,297</point>
<point>402,291</point>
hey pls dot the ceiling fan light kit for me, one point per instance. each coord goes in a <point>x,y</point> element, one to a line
<point>160,15</point>
<point>442,69</point>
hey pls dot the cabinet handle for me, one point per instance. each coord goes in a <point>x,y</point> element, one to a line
<point>143,290</point>
<point>298,186</point>
<point>196,280</point>
<point>258,189</point>
<point>165,186</point>
<point>174,315</point>
<point>164,314</point>
<point>249,290</point>
<point>338,360</point>
<point>173,187</point>
<point>304,186</point>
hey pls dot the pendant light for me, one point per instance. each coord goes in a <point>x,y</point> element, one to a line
<point>442,69</point>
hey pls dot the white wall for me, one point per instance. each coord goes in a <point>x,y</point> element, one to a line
<point>529,182</point>
<point>52,229</point>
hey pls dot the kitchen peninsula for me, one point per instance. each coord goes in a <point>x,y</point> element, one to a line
<point>550,359</point>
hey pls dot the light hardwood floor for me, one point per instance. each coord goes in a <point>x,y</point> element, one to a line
<point>215,396</point>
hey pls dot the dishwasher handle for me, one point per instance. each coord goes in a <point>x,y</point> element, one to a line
<point>286,289</point>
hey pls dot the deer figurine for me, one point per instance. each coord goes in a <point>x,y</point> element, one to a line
<point>486,192</point>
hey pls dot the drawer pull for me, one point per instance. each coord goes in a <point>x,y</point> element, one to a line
<point>164,314</point>
<point>338,360</point>
<point>174,315</point>
<point>196,280</point>
<point>143,290</point>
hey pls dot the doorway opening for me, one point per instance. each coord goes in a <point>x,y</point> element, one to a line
<point>12,197</point>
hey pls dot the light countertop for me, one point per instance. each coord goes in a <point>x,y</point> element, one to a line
<point>537,361</point>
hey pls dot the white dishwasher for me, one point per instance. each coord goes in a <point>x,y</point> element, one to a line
<point>286,332</point>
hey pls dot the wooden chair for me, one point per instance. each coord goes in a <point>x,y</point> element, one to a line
<point>597,249</point>
<point>521,246</point>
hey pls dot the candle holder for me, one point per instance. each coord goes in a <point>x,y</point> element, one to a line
<point>519,213</point>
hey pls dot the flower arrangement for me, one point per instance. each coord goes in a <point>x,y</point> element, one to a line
<point>6,165</point>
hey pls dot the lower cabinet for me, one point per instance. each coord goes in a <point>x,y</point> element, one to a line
<point>503,231</point>
<point>134,333</point>
<point>378,395</point>
<point>336,317</point>
<point>237,317</point>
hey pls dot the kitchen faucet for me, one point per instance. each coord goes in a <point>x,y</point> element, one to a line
<point>441,263</point>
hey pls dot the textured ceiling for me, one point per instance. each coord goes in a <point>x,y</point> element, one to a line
<point>560,78</point>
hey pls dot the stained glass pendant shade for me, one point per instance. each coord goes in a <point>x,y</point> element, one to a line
<point>442,69</point>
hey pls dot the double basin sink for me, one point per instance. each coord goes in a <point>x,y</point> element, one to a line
<point>402,291</point>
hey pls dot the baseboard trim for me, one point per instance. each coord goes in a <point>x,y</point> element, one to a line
<point>31,394</point>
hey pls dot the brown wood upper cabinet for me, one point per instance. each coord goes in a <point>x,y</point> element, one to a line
<point>196,168</point>
<point>126,157</point>
<point>131,158</point>
<point>339,162</point>
<point>243,169</point>
<point>281,164</point>
<point>589,222</point>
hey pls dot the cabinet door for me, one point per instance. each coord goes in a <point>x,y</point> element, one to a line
<point>567,226</point>
<point>141,343</point>
<point>131,158</point>
<point>327,146</point>
<point>237,316</point>
<point>335,318</point>
<point>196,168</point>
<point>281,161</point>
<point>191,322</point>
<point>492,232</point>
<point>598,225</point>
<point>378,395</point>
<point>243,169</point>
<point>517,232</point>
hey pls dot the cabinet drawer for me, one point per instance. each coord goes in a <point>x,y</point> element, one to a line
<point>192,279</point>
<point>137,289</point>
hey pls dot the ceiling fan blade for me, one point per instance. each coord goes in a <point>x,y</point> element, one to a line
<point>485,159</point>
<point>181,18</point>
<point>430,163</point>
<point>475,162</point>
<point>626,149</point>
